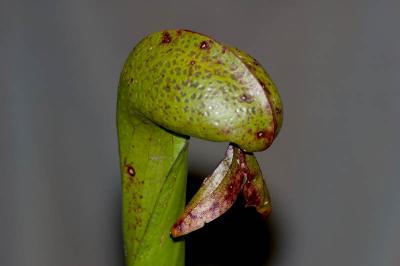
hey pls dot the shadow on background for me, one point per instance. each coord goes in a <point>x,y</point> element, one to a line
<point>239,237</point>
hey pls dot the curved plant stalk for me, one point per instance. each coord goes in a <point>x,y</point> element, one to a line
<point>176,84</point>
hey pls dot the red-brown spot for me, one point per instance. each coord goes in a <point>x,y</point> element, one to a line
<point>192,62</point>
<point>246,98</point>
<point>178,33</point>
<point>204,45</point>
<point>131,171</point>
<point>267,135</point>
<point>166,37</point>
<point>251,195</point>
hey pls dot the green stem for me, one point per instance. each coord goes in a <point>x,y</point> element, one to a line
<point>154,168</point>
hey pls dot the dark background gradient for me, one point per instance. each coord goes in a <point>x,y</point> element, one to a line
<point>333,172</point>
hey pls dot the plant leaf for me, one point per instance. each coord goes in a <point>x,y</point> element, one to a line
<point>216,195</point>
<point>255,190</point>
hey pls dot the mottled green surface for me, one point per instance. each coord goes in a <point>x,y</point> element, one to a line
<point>176,84</point>
<point>193,85</point>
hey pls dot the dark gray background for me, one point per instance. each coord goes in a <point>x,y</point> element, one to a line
<point>333,172</point>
